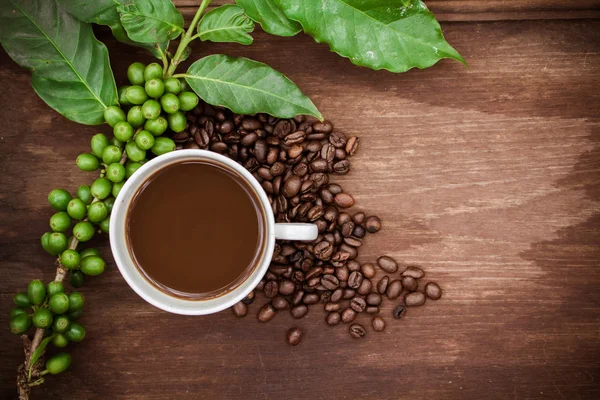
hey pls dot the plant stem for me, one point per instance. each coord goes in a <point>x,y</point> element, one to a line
<point>186,39</point>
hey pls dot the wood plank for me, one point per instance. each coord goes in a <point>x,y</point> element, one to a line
<point>477,10</point>
<point>489,178</point>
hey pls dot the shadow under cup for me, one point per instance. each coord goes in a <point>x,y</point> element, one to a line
<point>196,229</point>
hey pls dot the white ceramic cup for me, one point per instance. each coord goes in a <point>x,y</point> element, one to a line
<point>180,305</point>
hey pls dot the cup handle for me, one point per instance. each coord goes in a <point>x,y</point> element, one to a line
<point>296,231</point>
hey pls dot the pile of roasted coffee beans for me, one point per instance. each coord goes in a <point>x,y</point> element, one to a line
<point>293,159</point>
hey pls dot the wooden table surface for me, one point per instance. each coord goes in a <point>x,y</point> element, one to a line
<point>488,177</point>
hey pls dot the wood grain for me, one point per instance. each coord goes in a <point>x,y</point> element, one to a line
<point>476,10</point>
<point>489,178</point>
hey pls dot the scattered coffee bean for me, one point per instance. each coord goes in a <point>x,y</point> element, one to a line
<point>358,304</point>
<point>332,307</point>
<point>359,218</point>
<point>280,303</point>
<point>266,313</point>
<point>355,279</point>
<point>299,311</point>
<point>414,272</point>
<point>394,289</point>
<point>342,273</point>
<point>297,297</point>
<point>271,288</point>
<point>286,287</point>
<point>330,282</point>
<point>310,298</point>
<point>383,284</point>
<point>378,324</point>
<point>353,266</point>
<point>240,309</point>
<point>348,315</point>
<point>365,287</point>
<point>249,299</point>
<point>343,200</point>
<point>373,224</point>
<point>348,294</point>
<point>352,145</point>
<point>333,318</point>
<point>372,310</point>
<point>368,270</point>
<point>399,311</point>
<point>373,299</point>
<point>433,290</point>
<point>414,299</point>
<point>410,283</point>
<point>388,264</point>
<point>336,295</point>
<point>294,336</point>
<point>357,331</point>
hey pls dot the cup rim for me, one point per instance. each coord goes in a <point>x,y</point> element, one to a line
<point>135,278</point>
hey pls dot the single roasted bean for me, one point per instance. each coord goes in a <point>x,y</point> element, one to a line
<point>249,139</point>
<point>272,155</point>
<point>365,287</point>
<point>373,299</point>
<point>414,272</point>
<point>325,296</point>
<point>310,298</point>
<point>358,304</point>
<point>294,138</point>
<point>299,311</point>
<point>295,151</point>
<point>352,145</point>
<point>433,290</point>
<point>357,331</point>
<point>282,128</point>
<point>277,182</point>
<point>368,270</point>
<point>348,294</point>
<point>323,250</point>
<point>280,303</point>
<point>286,287</point>
<point>249,299</point>
<point>266,313</point>
<point>394,289</point>
<point>294,336</point>
<point>378,324</point>
<point>373,224</point>
<point>337,295</point>
<point>330,214</point>
<point>323,127</point>
<point>297,297</point>
<point>330,282</point>
<point>315,213</point>
<point>353,265</point>
<point>314,272</point>
<point>333,318</point>
<point>341,167</point>
<point>352,252</point>
<point>313,282</point>
<point>388,264</point>
<point>348,315</point>
<point>359,231</point>
<point>226,127</point>
<point>410,283</point>
<point>338,139</point>
<point>240,309</point>
<point>250,124</point>
<point>343,200</point>
<point>300,169</point>
<point>372,310</point>
<point>271,289</point>
<point>399,311</point>
<point>355,279</point>
<point>414,299</point>
<point>291,186</point>
<point>359,218</point>
<point>278,169</point>
<point>318,165</point>
<point>352,241</point>
<point>329,307</point>
<point>329,271</point>
<point>265,173</point>
<point>260,285</point>
<point>342,273</point>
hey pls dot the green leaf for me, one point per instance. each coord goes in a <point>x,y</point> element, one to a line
<point>70,68</point>
<point>38,353</point>
<point>379,34</point>
<point>154,48</point>
<point>101,12</point>
<point>270,17</point>
<point>151,21</point>
<point>227,23</point>
<point>247,87</point>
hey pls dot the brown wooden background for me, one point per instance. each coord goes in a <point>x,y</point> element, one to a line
<point>489,178</point>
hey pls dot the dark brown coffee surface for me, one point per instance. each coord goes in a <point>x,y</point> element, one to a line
<point>194,227</point>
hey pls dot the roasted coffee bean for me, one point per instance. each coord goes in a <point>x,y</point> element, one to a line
<point>343,200</point>
<point>278,269</point>
<point>240,309</point>
<point>373,224</point>
<point>291,187</point>
<point>294,138</point>
<point>300,169</point>
<point>383,284</point>
<point>180,137</point>
<point>323,127</point>
<point>282,128</point>
<point>327,197</point>
<point>328,271</point>
<point>318,165</point>
<point>295,151</point>
<point>269,276</point>
<point>338,238</point>
<point>352,241</point>
<point>399,311</point>
<point>272,155</point>
<point>347,229</point>
<point>414,299</point>
<point>282,204</point>
<point>365,287</point>
<point>337,295</point>
<point>433,290</point>
<point>325,296</point>
<point>329,307</point>
<point>266,313</point>
<point>313,282</point>
<point>341,167</point>
<point>413,272</point>
<point>357,331</point>
<point>264,173</point>
<point>277,185</point>
<point>352,252</point>
<point>310,298</point>
<point>338,139</point>
<point>348,294</point>
<point>342,273</point>
<point>286,287</point>
<point>309,198</point>
<point>278,169</point>
<point>251,164</point>
<point>319,179</point>
<point>315,213</point>
<point>330,282</point>
<point>260,285</point>
<point>232,138</point>
<point>372,310</point>
<point>378,324</point>
<point>328,152</point>
<point>294,336</point>
<point>250,124</point>
<point>353,265</point>
<point>410,283</point>
<point>297,297</point>
<point>280,303</point>
<point>298,276</point>
<point>271,289</point>
<point>249,299</point>
<point>358,304</point>
<point>359,218</point>
<point>191,145</point>
<point>373,299</point>
<point>248,140</point>
<point>348,315</point>
<point>388,264</point>
<point>359,231</point>
<point>368,270</point>
<point>314,272</point>
<point>323,250</point>
<point>299,311</point>
<point>355,279</point>
<point>329,237</point>
<point>333,318</point>
<point>334,188</point>
<point>218,147</point>
<point>330,214</point>
<point>394,289</point>
<point>307,186</point>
